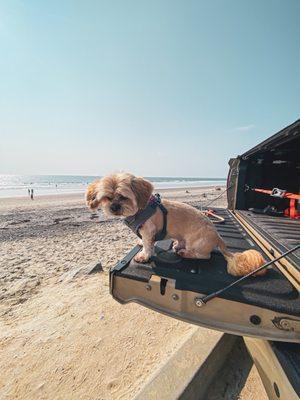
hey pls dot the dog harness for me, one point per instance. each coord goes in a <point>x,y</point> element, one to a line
<point>135,222</point>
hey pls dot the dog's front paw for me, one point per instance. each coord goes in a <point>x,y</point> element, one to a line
<point>141,257</point>
<point>139,242</point>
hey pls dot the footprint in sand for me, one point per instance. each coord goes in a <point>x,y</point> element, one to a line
<point>23,221</point>
<point>58,220</point>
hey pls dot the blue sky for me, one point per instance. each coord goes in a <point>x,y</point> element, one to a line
<point>155,87</point>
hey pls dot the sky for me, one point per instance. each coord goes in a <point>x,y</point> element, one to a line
<point>157,88</point>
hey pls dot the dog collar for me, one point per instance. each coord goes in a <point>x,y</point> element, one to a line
<point>135,222</point>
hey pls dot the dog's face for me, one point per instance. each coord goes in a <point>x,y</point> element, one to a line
<point>119,194</point>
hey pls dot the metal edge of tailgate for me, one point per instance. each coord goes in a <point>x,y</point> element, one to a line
<point>121,264</point>
<point>243,319</point>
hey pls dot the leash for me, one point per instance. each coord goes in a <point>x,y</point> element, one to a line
<point>216,198</point>
<point>216,219</point>
<point>201,301</point>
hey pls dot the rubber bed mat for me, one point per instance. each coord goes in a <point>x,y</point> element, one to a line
<point>272,291</point>
<point>288,354</point>
<point>282,233</point>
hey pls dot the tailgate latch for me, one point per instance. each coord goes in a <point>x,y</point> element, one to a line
<point>286,324</point>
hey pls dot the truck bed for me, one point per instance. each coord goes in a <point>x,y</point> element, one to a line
<point>281,232</point>
<point>288,354</point>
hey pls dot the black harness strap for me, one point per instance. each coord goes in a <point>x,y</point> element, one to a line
<point>162,234</point>
<point>136,221</point>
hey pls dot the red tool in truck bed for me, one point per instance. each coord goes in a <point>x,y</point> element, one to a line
<point>291,212</point>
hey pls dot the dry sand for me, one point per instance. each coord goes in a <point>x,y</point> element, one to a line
<point>64,337</point>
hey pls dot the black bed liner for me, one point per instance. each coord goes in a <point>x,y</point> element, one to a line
<point>272,291</point>
<point>282,233</point>
<point>288,354</point>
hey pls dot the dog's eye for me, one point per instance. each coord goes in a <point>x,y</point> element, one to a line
<point>123,197</point>
<point>107,198</point>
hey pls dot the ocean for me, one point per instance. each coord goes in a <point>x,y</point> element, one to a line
<point>18,185</point>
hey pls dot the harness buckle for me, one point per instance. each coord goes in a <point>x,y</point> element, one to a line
<point>157,197</point>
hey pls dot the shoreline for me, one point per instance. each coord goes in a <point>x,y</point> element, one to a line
<point>7,193</point>
<point>73,195</point>
<point>82,192</point>
<point>65,201</point>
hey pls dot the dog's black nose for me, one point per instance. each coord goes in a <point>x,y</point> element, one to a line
<point>115,207</point>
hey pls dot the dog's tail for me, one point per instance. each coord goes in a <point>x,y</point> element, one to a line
<point>239,264</point>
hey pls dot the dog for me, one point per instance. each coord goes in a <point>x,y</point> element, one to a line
<point>193,234</point>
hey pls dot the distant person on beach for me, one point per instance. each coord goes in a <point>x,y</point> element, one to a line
<point>31,195</point>
<point>28,192</point>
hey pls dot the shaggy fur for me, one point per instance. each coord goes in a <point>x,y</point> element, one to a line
<point>193,233</point>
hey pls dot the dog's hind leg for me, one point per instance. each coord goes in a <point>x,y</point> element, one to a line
<point>178,245</point>
<point>193,254</point>
<point>201,248</point>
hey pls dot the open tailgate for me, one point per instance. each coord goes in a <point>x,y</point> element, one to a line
<point>267,307</point>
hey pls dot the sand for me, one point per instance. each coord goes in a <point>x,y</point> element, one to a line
<point>44,238</point>
<point>63,336</point>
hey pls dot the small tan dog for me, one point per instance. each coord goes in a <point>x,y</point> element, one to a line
<point>194,235</point>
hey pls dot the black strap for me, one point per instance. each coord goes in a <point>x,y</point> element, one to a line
<point>162,234</point>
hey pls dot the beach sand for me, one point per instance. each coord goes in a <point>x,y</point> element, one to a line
<point>63,336</point>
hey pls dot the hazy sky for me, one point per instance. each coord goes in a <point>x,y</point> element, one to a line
<point>154,87</point>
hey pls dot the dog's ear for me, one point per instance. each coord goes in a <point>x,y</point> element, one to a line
<point>91,195</point>
<point>142,190</point>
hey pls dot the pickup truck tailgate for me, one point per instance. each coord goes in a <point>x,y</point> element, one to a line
<point>243,309</point>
